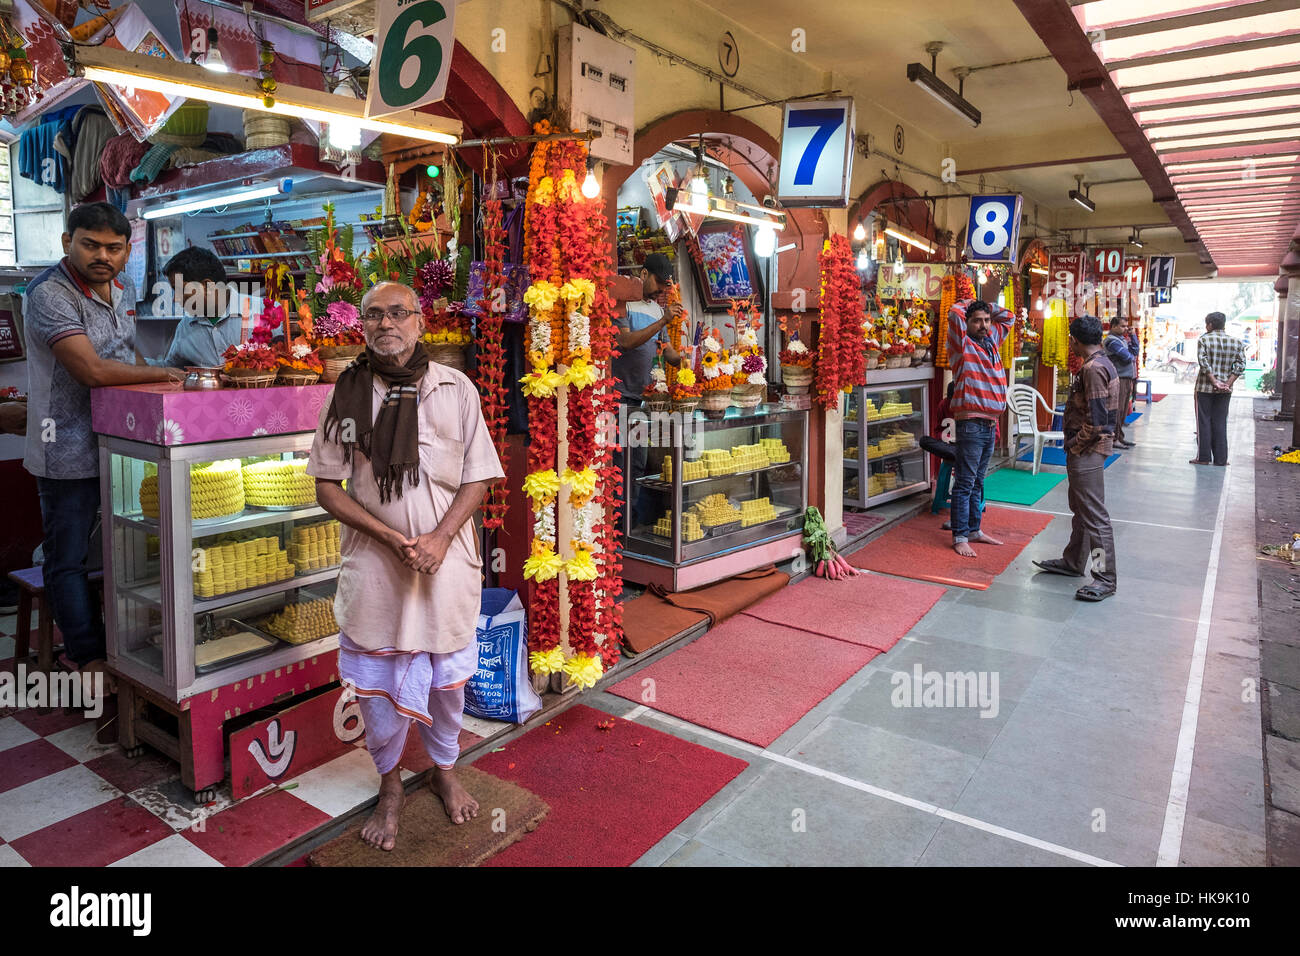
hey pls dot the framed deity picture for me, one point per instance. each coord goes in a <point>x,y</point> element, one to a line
<point>629,219</point>
<point>726,267</point>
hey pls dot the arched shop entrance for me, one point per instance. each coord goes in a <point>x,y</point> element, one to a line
<point>901,262</point>
<point>685,543</point>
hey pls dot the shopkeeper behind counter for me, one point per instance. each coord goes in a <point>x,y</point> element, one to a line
<point>215,317</point>
<point>80,325</point>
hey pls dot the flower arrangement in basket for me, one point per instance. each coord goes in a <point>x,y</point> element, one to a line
<point>331,318</point>
<point>749,364</point>
<point>299,364</point>
<point>796,362</point>
<point>686,391</point>
<point>251,364</point>
<point>715,373</point>
<point>655,396</point>
<point>447,330</point>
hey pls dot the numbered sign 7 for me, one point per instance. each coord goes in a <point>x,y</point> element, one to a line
<point>993,228</point>
<point>816,153</point>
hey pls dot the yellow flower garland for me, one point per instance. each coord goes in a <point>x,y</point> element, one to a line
<point>542,486</point>
<point>582,374</point>
<point>546,662</point>
<point>582,485</point>
<point>583,670</point>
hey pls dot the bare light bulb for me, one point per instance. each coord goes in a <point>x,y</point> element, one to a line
<point>1038,304</point>
<point>980,277</point>
<point>213,60</point>
<point>859,232</point>
<point>764,241</point>
<point>590,187</point>
<point>863,261</point>
<point>700,186</point>
<point>344,133</point>
<point>899,268</point>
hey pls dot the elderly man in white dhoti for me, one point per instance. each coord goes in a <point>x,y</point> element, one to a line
<point>409,438</point>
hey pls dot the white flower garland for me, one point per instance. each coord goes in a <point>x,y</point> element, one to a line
<point>579,332</point>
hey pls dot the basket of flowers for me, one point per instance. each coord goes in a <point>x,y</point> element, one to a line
<point>299,365</point>
<point>686,391</point>
<point>715,374</point>
<point>749,364</point>
<point>331,319</point>
<point>796,365</point>
<point>655,398</point>
<point>251,365</point>
<point>446,327</point>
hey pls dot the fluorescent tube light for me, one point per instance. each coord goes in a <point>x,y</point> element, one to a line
<point>230,197</point>
<point>1083,200</point>
<point>119,68</point>
<point>1039,270</point>
<point>941,91</point>
<point>911,238</point>
<point>715,207</point>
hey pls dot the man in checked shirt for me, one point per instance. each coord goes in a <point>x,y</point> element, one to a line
<point>1222,359</point>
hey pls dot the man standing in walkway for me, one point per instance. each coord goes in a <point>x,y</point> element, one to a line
<point>975,333</point>
<point>1089,425</point>
<point>1122,357</point>
<point>80,327</point>
<point>409,438</point>
<point>1221,360</point>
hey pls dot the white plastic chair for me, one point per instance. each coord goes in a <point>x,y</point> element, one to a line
<point>1022,399</point>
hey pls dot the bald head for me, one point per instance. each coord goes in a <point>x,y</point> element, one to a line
<point>391,294</point>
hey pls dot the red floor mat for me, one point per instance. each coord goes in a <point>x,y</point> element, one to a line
<point>921,550</point>
<point>747,678</point>
<point>613,793</point>
<point>856,523</point>
<point>870,609</point>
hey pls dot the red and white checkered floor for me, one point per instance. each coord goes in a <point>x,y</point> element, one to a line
<point>66,800</point>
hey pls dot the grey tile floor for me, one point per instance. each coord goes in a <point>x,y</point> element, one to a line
<point>1077,764</point>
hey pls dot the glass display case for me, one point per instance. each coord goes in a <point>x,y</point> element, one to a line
<point>700,487</point>
<point>883,459</point>
<point>220,563</point>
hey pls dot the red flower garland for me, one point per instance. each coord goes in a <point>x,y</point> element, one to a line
<point>491,359</point>
<point>840,358</point>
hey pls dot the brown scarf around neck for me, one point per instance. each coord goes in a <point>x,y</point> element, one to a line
<point>392,442</point>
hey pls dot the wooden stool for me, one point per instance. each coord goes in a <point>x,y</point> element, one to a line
<point>31,590</point>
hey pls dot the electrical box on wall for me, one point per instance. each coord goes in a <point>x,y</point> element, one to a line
<point>596,79</point>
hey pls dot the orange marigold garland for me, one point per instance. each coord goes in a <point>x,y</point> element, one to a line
<point>947,299</point>
<point>840,358</point>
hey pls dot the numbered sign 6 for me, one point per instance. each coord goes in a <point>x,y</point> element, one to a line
<point>993,228</point>
<point>817,153</point>
<point>1107,262</point>
<point>413,41</point>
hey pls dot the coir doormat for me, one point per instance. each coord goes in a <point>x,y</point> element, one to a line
<point>427,837</point>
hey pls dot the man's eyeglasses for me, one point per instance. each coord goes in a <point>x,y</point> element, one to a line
<point>395,315</point>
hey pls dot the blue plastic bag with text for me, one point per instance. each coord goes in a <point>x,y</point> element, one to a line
<point>501,689</point>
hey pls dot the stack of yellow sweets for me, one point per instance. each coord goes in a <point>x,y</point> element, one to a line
<point>879,484</point>
<point>851,451</point>
<point>718,461</point>
<point>749,457</point>
<point>300,623</point>
<point>873,411</point>
<point>756,511</point>
<point>216,490</point>
<point>279,484</point>
<point>895,409</point>
<point>691,530</point>
<point>315,546</point>
<point>852,415</point>
<point>241,565</point>
<point>715,510</point>
<point>775,450</point>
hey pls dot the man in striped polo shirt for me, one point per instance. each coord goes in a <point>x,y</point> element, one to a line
<point>975,333</point>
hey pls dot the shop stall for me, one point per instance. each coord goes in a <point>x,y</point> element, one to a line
<point>220,565</point>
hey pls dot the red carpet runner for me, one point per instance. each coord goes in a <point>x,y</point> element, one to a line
<point>921,550</point>
<point>614,793</point>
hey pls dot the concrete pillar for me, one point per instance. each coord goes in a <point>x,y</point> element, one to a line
<point>1288,329</point>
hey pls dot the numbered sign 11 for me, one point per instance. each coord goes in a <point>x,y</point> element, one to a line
<point>1107,262</point>
<point>817,139</point>
<point>413,42</point>
<point>993,228</point>
<point>1160,272</point>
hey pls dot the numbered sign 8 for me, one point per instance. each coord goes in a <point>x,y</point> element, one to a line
<point>817,153</point>
<point>413,41</point>
<point>993,228</point>
<point>1108,262</point>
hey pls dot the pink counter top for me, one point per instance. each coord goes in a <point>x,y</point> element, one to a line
<point>166,414</point>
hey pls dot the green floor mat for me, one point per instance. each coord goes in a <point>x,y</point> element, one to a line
<point>1019,487</point>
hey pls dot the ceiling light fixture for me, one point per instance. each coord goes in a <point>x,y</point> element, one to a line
<point>859,232</point>
<point>102,64</point>
<point>1039,270</point>
<point>715,207</point>
<point>344,134</point>
<point>911,238</point>
<point>1081,197</point>
<point>929,81</point>
<point>229,198</point>
<point>765,241</point>
<point>212,59</point>
<point>1136,239</point>
<point>590,187</point>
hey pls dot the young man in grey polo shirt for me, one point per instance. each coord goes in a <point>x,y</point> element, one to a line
<point>80,326</point>
<point>212,313</point>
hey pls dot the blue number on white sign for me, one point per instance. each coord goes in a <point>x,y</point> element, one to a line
<point>993,227</point>
<point>826,122</point>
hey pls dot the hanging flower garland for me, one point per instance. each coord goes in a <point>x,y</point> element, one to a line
<point>492,357</point>
<point>840,358</point>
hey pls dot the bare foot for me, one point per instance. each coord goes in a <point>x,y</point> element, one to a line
<point>381,829</point>
<point>982,538</point>
<point>460,806</point>
<point>964,549</point>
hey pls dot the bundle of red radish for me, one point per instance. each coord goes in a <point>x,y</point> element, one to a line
<point>827,562</point>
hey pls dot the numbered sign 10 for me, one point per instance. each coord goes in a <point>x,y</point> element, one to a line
<point>817,153</point>
<point>413,41</point>
<point>993,228</point>
<point>1107,262</point>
